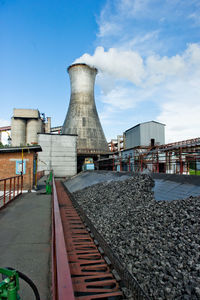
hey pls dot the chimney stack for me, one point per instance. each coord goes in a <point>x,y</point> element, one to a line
<point>82,117</point>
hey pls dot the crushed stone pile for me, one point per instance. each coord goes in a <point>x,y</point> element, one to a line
<point>158,242</point>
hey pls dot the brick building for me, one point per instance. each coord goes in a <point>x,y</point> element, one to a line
<point>11,159</point>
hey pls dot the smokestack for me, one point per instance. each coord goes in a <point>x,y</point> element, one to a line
<point>82,117</point>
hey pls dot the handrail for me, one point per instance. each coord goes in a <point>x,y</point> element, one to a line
<point>40,174</point>
<point>9,177</point>
<point>10,188</point>
<point>61,276</point>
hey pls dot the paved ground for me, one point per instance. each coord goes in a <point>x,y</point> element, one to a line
<point>25,233</point>
<point>167,187</point>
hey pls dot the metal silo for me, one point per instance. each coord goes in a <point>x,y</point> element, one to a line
<point>18,131</point>
<point>34,126</point>
<point>82,117</point>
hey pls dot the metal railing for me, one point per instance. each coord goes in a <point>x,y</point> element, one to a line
<point>10,188</point>
<point>61,277</point>
<point>40,174</point>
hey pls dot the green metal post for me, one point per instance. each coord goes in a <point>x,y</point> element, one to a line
<point>10,285</point>
<point>49,184</point>
<point>12,291</point>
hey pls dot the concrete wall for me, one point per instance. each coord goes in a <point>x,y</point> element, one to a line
<point>58,154</point>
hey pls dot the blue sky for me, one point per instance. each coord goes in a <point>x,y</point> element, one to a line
<point>147,53</point>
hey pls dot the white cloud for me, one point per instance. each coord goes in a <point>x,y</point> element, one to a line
<point>108,28</point>
<point>119,64</point>
<point>4,123</point>
<point>171,82</point>
<point>182,120</point>
<point>129,65</point>
<point>195,17</point>
<point>132,8</point>
<point>145,59</point>
<point>164,23</point>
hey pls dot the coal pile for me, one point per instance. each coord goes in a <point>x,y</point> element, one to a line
<point>158,242</point>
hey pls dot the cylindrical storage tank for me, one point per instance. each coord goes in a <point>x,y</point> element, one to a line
<point>82,117</point>
<point>34,126</point>
<point>18,131</point>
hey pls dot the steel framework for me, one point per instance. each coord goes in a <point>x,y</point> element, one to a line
<point>181,157</point>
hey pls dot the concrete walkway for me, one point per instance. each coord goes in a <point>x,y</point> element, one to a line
<point>25,236</point>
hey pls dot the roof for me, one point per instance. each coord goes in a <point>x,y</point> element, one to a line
<point>26,113</point>
<point>5,128</point>
<point>145,123</point>
<point>19,149</point>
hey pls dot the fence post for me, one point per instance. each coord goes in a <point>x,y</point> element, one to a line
<point>14,189</point>
<point>10,189</point>
<point>17,185</point>
<point>4,194</point>
<point>21,183</point>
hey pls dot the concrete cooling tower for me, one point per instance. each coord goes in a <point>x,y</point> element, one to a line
<point>82,117</point>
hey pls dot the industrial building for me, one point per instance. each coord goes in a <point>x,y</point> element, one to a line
<point>145,134</point>
<point>37,149</point>
<point>65,148</point>
<point>143,149</point>
<point>15,161</point>
<point>5,135</point>
<point>82,117</point>
<point>26,124</point>
<point>116,144</point>
<point>41,149</point>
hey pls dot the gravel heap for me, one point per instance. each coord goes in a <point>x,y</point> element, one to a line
<point>159,242</point>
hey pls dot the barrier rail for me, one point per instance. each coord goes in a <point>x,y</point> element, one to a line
<point>10,188</point>
<point>61,276</point>
<point>40,174</point>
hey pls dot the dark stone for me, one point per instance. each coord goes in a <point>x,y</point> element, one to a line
<point>159,242</point>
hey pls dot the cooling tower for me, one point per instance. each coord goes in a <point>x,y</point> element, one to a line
<point>82,117</point>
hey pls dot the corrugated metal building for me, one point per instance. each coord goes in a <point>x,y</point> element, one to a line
<point>145,134</point>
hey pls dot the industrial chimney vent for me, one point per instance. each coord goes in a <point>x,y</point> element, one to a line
<point>81,64</point>
<point>82,117</point>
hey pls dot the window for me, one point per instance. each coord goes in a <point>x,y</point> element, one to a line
<point>19,167</point>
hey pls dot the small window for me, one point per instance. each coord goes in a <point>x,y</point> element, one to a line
<point>152,142</point>
<point>19,167</point>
